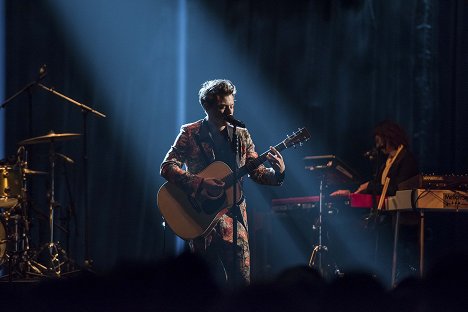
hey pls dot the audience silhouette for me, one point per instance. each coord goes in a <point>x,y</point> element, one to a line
<point>185,282</point>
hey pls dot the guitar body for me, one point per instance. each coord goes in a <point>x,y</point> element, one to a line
<point>190,218</point>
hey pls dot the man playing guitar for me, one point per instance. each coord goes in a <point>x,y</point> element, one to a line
<point>199,145</point>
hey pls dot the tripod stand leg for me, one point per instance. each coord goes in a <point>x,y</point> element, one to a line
<point>36,267</point>
<point>313,257</point>
<point>317,252</point>
<point>54,259</point>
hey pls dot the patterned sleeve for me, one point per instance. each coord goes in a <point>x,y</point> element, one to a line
<point>171,167</point>
<point>261,174</point>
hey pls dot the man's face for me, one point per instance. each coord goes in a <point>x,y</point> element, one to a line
<point>224,107</point>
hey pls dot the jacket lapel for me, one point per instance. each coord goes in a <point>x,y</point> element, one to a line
<point>396,163</point>
<point>205,142</point>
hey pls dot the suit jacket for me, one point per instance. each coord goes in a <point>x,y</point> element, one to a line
<point>404,167</point>
<point>194,148</point>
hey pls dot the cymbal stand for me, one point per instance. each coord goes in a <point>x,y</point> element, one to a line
<point>55,252</point>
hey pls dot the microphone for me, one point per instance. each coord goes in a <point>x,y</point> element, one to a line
<point>371,154</point>
<point>233,121</point>
<point>42,72</point>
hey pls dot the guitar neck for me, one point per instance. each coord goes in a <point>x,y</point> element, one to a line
<point>229,180</point>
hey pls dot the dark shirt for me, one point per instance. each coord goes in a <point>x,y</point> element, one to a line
<point>223,147</point>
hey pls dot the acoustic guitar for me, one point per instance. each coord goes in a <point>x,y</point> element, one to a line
<point>189,217</point>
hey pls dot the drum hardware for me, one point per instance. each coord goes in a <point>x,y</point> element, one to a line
<point>34,172</point>
<point>12,193</point>
<point>42,72</point>
<point>85,110</point>
<point>16,256</point>
<point>56,255</point>
<point>15,251</point>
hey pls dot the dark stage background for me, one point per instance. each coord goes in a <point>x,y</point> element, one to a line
<point>335,66</point>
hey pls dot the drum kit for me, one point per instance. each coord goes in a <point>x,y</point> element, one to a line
<point>17,257</point>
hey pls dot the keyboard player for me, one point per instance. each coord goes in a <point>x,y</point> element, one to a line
<point>398,164</point>
<point>395,161</point>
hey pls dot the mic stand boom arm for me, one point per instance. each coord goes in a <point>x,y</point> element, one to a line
<point>41,74</point>
<point>11,98</point>
<point>80,105</point>
<point>85,109</point>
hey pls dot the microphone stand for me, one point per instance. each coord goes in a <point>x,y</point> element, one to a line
<point>21,91</point>
<point>235,209</point>
<point>375,158</point>
<point>373,217</point>
<point>28,87</point>
<point>85,110</point>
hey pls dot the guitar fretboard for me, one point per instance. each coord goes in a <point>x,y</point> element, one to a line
<point>229,180</point>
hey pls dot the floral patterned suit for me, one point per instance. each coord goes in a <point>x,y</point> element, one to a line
<point>194,147</point>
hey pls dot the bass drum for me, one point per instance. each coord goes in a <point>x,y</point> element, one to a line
<point>10,186</point>
<point>3,242</point>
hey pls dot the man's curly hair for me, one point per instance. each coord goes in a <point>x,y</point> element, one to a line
<point>212,90</point>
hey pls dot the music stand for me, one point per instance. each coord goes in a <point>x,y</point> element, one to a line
<point>331,171</point>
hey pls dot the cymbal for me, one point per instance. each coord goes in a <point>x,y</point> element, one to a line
<point>29,171</point>
<point>50,137</point>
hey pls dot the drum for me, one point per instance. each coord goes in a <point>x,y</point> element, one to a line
<point>10,186</point>
<point>13,235</point>
<point>3,241</point>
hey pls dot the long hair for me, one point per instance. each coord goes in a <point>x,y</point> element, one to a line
<point>391,133</point>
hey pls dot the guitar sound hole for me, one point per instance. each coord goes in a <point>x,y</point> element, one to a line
<point>194,204</point>
<point>212,206</point>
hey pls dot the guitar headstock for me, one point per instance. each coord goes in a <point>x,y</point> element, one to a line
<point>297,138</point>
